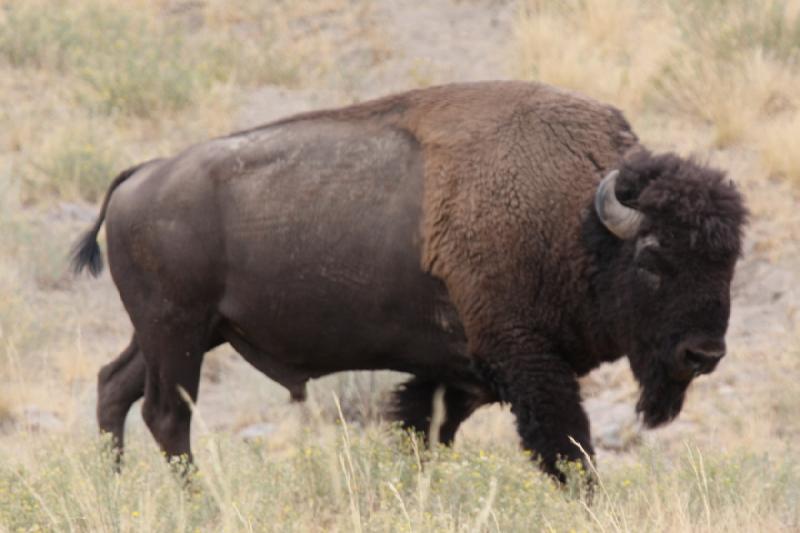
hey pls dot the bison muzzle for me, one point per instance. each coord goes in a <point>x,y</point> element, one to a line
<point>499,238</point>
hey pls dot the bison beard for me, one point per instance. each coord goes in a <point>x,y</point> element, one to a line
<point>660,397</point>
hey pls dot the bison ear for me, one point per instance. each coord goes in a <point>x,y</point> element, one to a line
<point>620,219</point>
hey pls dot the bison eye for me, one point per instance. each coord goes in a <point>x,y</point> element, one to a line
<point>649,278</point>
<point>655,262</point>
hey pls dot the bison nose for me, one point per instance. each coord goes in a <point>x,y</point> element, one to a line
<point>702,359</point>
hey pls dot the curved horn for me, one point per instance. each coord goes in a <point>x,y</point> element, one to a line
<point>620,220</point>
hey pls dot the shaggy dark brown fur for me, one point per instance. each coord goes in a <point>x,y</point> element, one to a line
<point>449,233</point>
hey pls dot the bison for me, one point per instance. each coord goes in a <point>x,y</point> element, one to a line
<point>500,239</point>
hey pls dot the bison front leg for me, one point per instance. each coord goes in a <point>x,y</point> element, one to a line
<point>545,398</point>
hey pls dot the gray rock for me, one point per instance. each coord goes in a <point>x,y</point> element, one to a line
<point>259,430</point>
<point>614,424</point>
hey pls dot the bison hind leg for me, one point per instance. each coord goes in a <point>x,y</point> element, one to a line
<point>119,384</point>
<point>413,404</point>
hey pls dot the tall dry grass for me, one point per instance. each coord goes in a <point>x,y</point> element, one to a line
<point>335,479</point>
<point>731,65</point>
<point>593,47</point>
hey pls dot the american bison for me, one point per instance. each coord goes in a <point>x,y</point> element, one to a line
<point>498,238</point>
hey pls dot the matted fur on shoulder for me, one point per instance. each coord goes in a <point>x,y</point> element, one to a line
<point>683,193</point>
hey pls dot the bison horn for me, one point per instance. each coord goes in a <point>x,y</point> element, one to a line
<point>620,220</point>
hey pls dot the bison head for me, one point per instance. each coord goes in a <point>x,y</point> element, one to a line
<point>675,231</point>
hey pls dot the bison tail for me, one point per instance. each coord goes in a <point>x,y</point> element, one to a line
<point>86,252</point>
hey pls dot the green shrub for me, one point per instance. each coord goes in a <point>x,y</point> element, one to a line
<point>31,36</point>
<point>77,159</point>
<point>727,28</point>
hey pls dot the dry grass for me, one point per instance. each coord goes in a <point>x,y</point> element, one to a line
<point>579,45</point>
<point>778,146</point>
<point>732,65</point>
<point>337,479</point>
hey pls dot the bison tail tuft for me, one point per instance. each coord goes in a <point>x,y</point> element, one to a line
<point>86,253</point>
